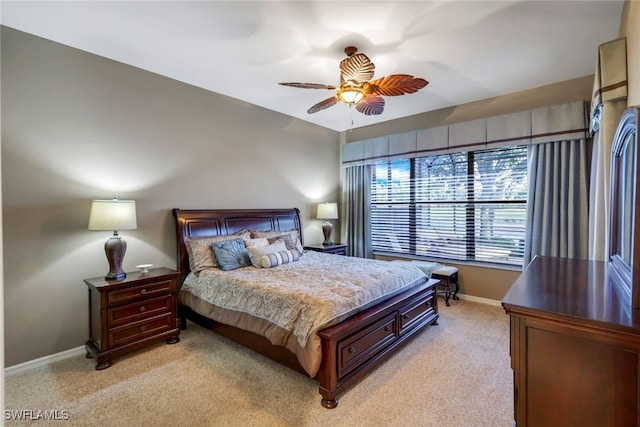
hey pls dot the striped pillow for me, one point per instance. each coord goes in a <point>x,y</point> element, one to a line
<point>278,258</point>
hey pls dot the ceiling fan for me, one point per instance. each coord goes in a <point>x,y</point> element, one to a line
<point>357,88</point>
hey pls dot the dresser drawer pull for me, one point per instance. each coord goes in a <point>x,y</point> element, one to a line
<point>387,328</point>
<point>143,291</point>
<point>352,350</point>
<point>142,328</point>
<point>405,316</point>
<point>142,308</point>
<point>428,304</point>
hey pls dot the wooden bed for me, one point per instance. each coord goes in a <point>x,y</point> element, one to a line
<point>350,349</point>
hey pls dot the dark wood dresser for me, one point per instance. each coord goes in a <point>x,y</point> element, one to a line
<point>129,314</point>
<point>575,345</point>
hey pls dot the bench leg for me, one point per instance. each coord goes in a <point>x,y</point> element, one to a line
<point>445,286</point>
<point>450,286</point>
<point>455,282</point>
<point>447,295</point>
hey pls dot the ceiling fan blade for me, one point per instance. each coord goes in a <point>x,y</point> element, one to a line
<point>308,85</point>
<point>357,67</point>
<point>371,105</point>
<point>397,84</point>
<point>329,102</point>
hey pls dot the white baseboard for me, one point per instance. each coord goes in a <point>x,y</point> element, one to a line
<point>481,300</point>
<point>42,361</point>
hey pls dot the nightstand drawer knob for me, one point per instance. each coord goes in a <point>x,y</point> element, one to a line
<point>352,350</point>
<point>143,291</point>
<point>142,308</point>
<point>142,328</point>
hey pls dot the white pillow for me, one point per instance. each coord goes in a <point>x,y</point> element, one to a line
<point>260,242</point>
<point>294,242</point>
<point>256,252</point>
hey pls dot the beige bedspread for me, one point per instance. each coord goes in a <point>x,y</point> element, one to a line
<point>299,298</point>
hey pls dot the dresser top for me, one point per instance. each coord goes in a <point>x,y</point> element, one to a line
<point>573,290</point>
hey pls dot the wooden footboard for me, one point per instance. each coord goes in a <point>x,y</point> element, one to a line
<point>353,348</point>
<point>350,349</point>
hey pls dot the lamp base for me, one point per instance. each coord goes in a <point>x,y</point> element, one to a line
<point>114,276</point>
<point>327,228</point>
<point>115,248</point>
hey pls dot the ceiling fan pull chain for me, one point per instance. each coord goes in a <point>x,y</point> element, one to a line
<point>351,114</point>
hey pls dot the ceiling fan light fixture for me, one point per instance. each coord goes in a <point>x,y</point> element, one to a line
<point>351,92</point>
<point>350,96</point>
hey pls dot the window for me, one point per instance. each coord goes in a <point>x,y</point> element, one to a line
<point>459,207</point>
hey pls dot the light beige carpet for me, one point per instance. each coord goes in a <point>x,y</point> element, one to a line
<point>454,374</point>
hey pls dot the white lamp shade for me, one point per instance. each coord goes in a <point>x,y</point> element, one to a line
<point>113,215</point>
<point>327,211</point>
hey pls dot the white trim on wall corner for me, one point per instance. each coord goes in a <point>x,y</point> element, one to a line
<point>43,361</point>
<point>481,300</point>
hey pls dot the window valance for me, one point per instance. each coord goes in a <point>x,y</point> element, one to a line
<point>610,82</point>
<point>546,124</point>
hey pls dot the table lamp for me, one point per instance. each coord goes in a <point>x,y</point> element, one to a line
<point>327,211</point>
<point>113,215</point>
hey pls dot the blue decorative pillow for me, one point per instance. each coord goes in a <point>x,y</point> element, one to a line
<point>278,258</point>
<point>231,254</point>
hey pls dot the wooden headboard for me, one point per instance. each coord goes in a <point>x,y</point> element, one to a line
<point>221,222</point>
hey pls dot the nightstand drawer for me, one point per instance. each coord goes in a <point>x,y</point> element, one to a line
<point>336,248</point>
<point>130,333</point>
<point>139,311</point>
<point>137,293</point>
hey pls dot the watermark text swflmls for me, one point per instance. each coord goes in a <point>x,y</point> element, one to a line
<point>36,414</point>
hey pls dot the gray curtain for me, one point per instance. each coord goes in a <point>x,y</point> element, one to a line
<point>356,199</point>
<point>608,102</point>
<point>558,205</point>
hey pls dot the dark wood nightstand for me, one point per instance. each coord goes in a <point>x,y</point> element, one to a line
<point>336,248</point>
<point>129,314</point>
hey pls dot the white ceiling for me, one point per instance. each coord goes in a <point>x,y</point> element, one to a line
<point>467,50</point>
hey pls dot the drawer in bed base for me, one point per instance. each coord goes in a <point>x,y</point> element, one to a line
<point>415,313</point>
<point>366,343</point>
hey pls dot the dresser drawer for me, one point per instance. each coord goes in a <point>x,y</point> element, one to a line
<point>416,312</point>
<point>365,344</point>
<point>140,292</point>
<point>135,332</point>
<point>138,311</point>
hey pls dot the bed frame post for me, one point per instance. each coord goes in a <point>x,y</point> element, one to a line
<point>328,374</point>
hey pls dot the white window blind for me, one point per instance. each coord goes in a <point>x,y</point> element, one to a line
<point>458,206</point>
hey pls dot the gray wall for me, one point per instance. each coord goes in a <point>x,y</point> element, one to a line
<point>76,127</point>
